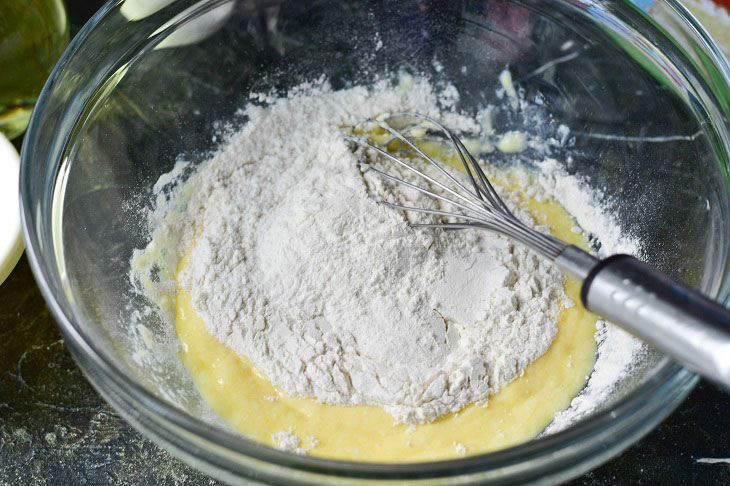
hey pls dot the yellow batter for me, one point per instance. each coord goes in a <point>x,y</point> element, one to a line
<point>521,410</point>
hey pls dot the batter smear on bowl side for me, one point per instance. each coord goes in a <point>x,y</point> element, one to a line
<point>315,319</point>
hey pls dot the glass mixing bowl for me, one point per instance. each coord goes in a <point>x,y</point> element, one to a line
<point>645,94</point>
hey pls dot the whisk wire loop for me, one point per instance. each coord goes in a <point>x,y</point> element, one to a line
<point>486,210</point>
<point>399,136</point>
<point>486,188</point>
<point>427,192</point>
<point>475,207</point>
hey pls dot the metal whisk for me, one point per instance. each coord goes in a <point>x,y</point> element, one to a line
<point>675,319</point>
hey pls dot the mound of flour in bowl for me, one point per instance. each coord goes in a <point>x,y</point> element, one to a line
<point>294,264</point>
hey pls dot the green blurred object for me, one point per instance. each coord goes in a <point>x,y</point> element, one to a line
<point>33,35</point>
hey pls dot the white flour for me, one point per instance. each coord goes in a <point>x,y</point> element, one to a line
<point>287,441</point>
<point>330,294</point>
<point>618,351</point>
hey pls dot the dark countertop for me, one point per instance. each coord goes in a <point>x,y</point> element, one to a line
<point>55,429</point>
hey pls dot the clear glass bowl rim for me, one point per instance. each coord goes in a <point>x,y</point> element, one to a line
<point>217,451</point>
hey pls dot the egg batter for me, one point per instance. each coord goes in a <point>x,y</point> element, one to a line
<point>397,334</point>
<point>521,410</point>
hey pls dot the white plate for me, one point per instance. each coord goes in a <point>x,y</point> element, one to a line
<point>11,239</point>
